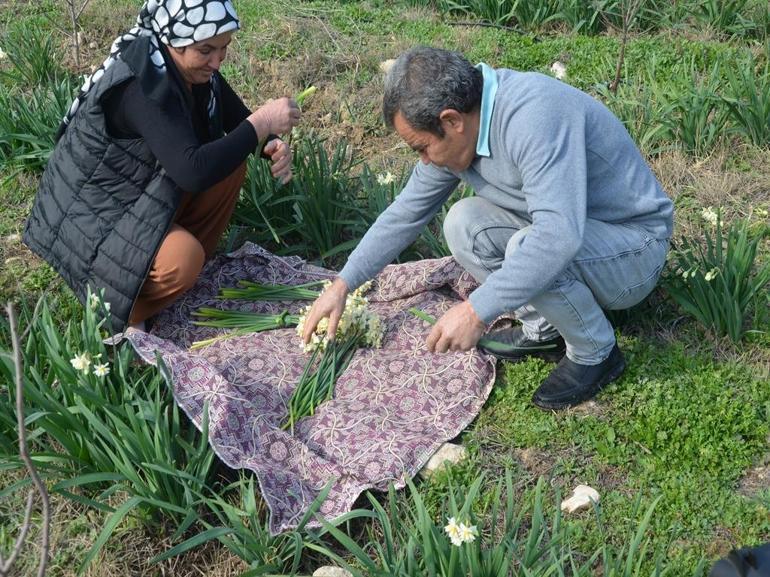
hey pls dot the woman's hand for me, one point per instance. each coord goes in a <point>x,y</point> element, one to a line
<point>275,117</point>
<point>280,159</point>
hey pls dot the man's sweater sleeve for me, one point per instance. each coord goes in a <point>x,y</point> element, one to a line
<point>399,224</point>
<point>547,143</point>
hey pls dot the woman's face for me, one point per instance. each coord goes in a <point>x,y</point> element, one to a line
<point>198,61</point>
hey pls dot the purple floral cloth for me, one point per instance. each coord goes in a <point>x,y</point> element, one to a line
<point>392,409</point>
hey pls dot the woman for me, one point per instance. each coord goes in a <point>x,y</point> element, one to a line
<point>150,160</point>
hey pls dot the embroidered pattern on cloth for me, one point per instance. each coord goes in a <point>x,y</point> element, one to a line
<point>393,407</point>
<point>176,23</point>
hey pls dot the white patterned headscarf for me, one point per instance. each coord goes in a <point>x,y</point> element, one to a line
<point>175,23</point>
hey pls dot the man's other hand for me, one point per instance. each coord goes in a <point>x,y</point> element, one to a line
<point>330,304</point>
<point>458,330</point>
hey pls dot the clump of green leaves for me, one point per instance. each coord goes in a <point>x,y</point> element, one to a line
<point>717,279</point>
<point>103,426</point>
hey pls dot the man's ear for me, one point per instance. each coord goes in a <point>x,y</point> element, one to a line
<point>452,119</point>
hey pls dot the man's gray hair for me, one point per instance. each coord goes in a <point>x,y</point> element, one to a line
<point>425,81</point>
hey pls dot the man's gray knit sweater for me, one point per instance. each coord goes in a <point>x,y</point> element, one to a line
<point>557,157</point>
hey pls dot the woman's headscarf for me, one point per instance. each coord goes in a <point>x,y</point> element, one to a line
<point>175,23</point>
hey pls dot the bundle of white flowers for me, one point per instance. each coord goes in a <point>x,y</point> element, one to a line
<point>356,318</point>
<point>358,327</point>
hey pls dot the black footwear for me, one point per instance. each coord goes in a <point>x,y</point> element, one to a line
<point>512,345</point>
<point>570,384</point>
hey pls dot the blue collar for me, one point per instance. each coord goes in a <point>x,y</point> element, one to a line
<point>487,105</point>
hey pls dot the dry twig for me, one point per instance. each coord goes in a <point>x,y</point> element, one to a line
<point>75,13</point>
<point>39,486</point>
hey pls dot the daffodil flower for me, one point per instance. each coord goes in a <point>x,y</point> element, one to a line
<point>81,362</point>
<point>102,370</point>
<point>385,179</point>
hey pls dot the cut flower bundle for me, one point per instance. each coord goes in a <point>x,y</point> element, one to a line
<point>245,322</point>
<point>358,327</point>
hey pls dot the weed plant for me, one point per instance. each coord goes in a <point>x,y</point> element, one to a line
<point>748,101</point>
<point>261,206</point>
<point>33,58</point>
<point>28,123</point>
<point>106,428</point>
<point>717,280</point>
<point>486,535</point>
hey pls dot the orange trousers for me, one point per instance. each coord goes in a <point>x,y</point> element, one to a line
<point>192,239</point>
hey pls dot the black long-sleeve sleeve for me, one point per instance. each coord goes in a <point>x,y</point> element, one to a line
<point>193,164</point>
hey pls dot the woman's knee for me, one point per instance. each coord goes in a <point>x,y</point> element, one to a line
<point>179,261</point>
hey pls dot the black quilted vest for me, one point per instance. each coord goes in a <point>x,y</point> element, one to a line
<point>103,207</point>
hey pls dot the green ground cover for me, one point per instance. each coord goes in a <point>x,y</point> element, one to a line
<point>679,447</point>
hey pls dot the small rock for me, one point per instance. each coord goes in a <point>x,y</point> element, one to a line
<point>330,571</point>
<point>559,69</point>
<point>581,498</point>
<point>447,453</point>
<point>386,65</point>
<point>93,45</point>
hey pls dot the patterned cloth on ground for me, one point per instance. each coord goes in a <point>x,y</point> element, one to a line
<point>393,407</point>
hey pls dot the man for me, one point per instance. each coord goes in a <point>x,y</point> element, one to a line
<point>567,220</point>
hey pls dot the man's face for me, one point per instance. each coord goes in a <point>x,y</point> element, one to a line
<point>455,150</point>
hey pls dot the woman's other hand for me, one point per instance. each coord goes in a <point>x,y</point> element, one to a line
<point>277,116</point>
<point>280,159</point>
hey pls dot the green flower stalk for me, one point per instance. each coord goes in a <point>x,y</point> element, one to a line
<point>304,95</point>
<point>316,385</point>
<point>430,319</point>
<point>247,290</point>
<point>243,322</point>
<point>358,327</point>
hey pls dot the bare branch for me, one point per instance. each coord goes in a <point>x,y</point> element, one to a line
<point>83,7</point>
<point>24,454</point>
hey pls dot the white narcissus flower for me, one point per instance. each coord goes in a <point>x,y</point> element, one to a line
<point>102,370</point>
<point>468,533</point>
<point>3,55</point>
<point>386,178</point>
<point>81,362</point>
<point>711,216</point>
<point>710,275</point>
<point>452,529</point>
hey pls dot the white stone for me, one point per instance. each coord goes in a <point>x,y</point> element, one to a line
<point>559,70</point>
<point>581,498</point>
<point>329,571</point>
<point>447,453</point>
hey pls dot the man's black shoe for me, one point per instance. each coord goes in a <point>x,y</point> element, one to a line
<point>512,345</point>
<point>570,384</point>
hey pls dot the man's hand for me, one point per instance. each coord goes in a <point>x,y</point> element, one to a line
<point>331,305</point>
<point>280,159</point>
<point>458,330</point>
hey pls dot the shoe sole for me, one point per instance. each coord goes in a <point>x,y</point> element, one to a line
<point>546,352</point>
<point>614,374</point>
